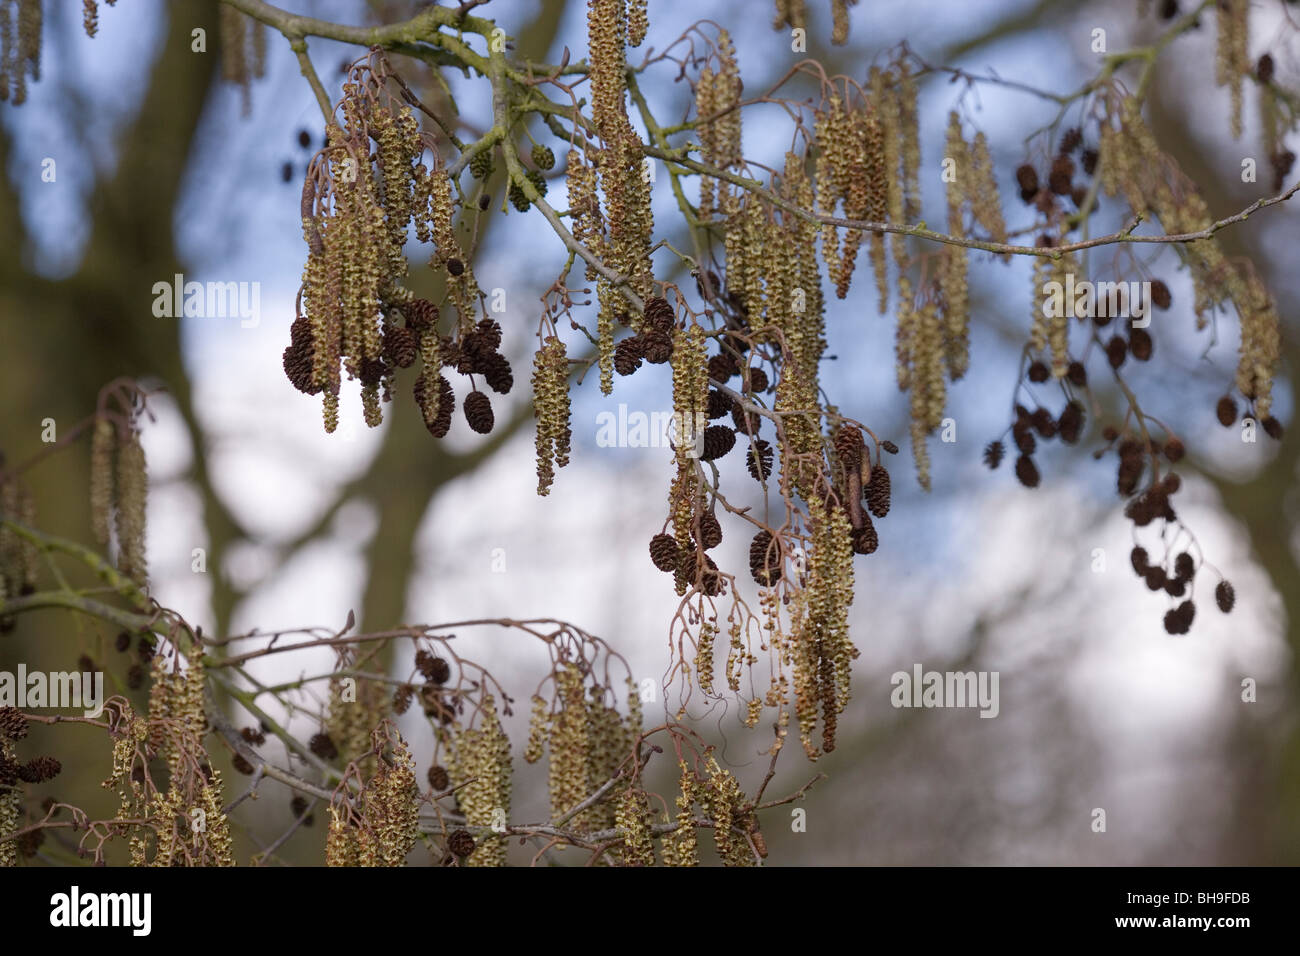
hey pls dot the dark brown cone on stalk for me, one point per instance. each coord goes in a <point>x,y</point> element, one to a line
<point>723,366</point>
<point>746,423</point>
<point>1038,372</point>
<point>993,453</point>
<point>1225,596</point>
<point>401,346</point>
<point>439,779</point>
<point>1116,351</point>
<point>664,552</point>
<point>865,539</point>
<point>757,380</point>
<point>39,770</point>
<point>848,447</point>
<point>1070,424</point>
<point>1160,296</point>
<point>498,374</point>
<point>759,460</point>
<point>297,361</point>
<point>478,412</point>
<point>460,843</point>
<point>1024,438</point>
<point>658,347</point>
<point>1027,471</point>
<point>1027,179</point>
<point>1141,344</point>
<point>420,314</point>
<point>1226,410</point>
<point>1179,620</point>
<point>13,725</point>
<point>659,314</point>
<point>628,354</point>
<point>718,440</point>
<point>1061,178</point>
<point>719,405</point>
<point>878,492</point>
<point>446,406</point>
<point>1043,423</point>
<point>710,531</point>
<point>764,559</point>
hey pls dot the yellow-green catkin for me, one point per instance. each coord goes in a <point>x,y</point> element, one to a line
<point>1058,326</point>
<point>840,21</point>
<point>953,260</point>
<point>391,807</point>
<point>679,848</point>
<point>704,656</point>
<point>551,409</point>
<point>103,442</point>
<point>928,391</point>
<point>717,96</point>
<point>132,495</point>
<point>342,846</point>
<point>605,333</point>
<point>887,103</point>
<point>20,46</point>
<point>986,206</point>
<point>482,764</point>
<point>801,322</point>
<point>569,747</point>
<point>633,819</point>
<point>1232,57</point>
<point>11,818</point>
<point>790,13</point>
<point>832,132</point>
<point>637,22</point>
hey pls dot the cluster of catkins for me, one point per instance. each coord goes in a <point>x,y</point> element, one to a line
<point>379,826</point>
<point>356,317</point>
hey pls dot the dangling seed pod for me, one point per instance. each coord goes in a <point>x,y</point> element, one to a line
<point>878,492</point>
<point>1225,596</point>
<point>1027,471</point>
<point>759,460</point>
<point>710,531</point>
<point>764,559</point>
<point>718,440</point>
<point>664,552</point>
<point>478,412</point>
